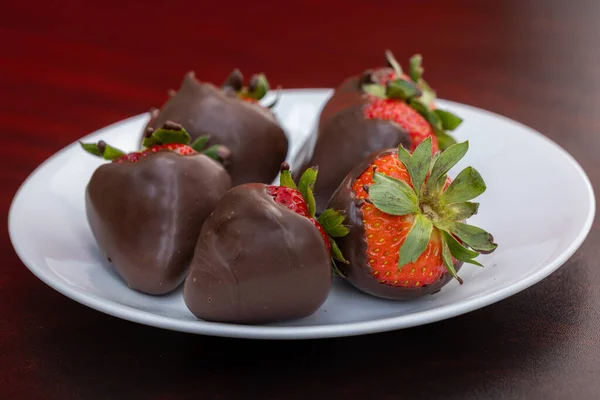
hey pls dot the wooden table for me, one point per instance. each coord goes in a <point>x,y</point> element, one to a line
<point>69,67</point>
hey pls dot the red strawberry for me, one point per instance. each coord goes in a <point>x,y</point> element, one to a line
<point>380,109</point>
<point>406,219</point>
<point>178,148</point>
<point>295,201</point>
<point>146,209</point>
<point>259,258</point>
<point>404,115</point>
<point>234,115</point>
<point>408,101</point>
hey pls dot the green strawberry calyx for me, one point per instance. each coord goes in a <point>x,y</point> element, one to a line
<point>417,93</point>
<point>330,220</point>
<point>169,133</point>
<point>257,87</point>
<point>434,207</point>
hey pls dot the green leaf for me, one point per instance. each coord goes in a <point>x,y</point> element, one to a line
<point>112,153</point>
<point>467,185</point>
<point>460,252</point>
<point>330,217</point>
<point>306,185</point>
<point>474,237</point>
<point>331,221</point>
<point>393,63</point>
<point>393,196</point>
<point>200,143</point>
<point>429,95</point>
<point>404,156</point>
<point>91,148</point>
<point>310,201</point>
<point>416,69</point>
<point>462,211</point>
<point>286,180</point>
<point>449,120</point>
<point>336,252</point>
<point>337,231</point>
<point>212,152</point>
<point>401,89</point>
<point>434,160</point>
<point>448,262</point>
<point>167,136</point>
<point>416,241</point>
<point>374,89</point>
<point>426,113</point>
<point>419,164</point>
<point>101,149</point>
<point>447,160</point>
<point>444,140</point>
<point>258,87</point>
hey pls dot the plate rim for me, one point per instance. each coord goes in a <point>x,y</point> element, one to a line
<point>270,332</point>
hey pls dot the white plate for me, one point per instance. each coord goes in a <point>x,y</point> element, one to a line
<point>539,205</point>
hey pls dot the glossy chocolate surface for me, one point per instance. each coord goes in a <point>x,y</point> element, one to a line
<point>354,245</point>
<point>257,142</point>
<point>146,216</point>
<point>257,262</point>
<point>344,138</point>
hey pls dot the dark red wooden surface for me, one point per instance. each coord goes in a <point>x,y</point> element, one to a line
<point>69,67</point>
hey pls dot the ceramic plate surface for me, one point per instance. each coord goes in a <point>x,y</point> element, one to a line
<point>538,227</point>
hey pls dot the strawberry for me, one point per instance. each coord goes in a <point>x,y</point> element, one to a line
<point>233,115</point>
<point>292,199</point>
<point>301,201</point>
<point>381,108</point>
<point>397,111</point>
<point>408,101</point>
<point>262,256</point>
<point>145,209</point>
<point>406,218</point>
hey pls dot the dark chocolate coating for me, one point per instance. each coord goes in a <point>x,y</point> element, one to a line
<point>146,216</point>
<point>257,142</point>
<point>257,262</point>
<point>354,245</point>
<point>344,138</point>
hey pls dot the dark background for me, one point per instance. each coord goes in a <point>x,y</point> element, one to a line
<point>70,67</point>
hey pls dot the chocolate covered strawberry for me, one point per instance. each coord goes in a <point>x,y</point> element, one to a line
<point>232,116</point>
<point>146,209</point>
<point>382,108</point>
<point>408,232</point>
<point>262,256</point>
